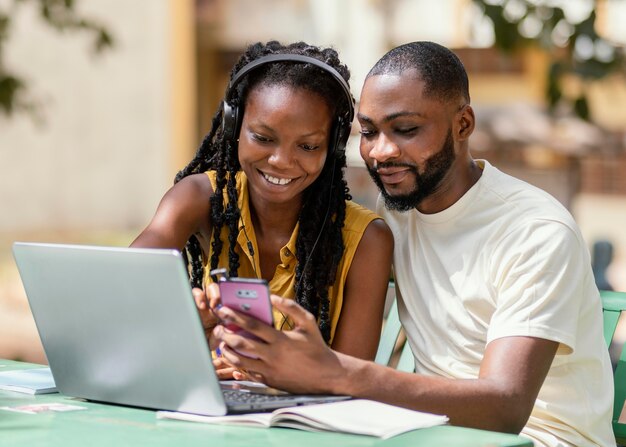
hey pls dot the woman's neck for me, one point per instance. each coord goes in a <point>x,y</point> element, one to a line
<point>273,226</point>
<point>274,220</point>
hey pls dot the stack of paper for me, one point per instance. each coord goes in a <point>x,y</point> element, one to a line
<point>30,381</point>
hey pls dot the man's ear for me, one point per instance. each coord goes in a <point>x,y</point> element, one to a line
<point>465,122</point>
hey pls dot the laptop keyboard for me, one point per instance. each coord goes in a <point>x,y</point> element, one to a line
<point>255,397</point>
<point>238,396</point>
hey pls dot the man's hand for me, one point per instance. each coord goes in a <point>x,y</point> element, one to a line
<point>298,360</point>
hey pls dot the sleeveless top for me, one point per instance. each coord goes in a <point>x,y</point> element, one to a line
<point>283,282</point>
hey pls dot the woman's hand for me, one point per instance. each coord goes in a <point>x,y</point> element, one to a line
<point>207,301</point>
<point>226,371</point>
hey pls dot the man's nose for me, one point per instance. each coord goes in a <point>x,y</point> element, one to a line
<point>383,149</point>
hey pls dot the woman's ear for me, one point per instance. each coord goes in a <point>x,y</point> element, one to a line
<point>465,121</point>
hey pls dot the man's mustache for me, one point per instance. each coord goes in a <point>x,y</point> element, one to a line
<point>390,164</point>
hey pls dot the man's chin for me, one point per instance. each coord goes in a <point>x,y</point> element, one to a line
<point>395,199</point>
<point>401,202</point>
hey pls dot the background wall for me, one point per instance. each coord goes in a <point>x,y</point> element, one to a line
<point>95,168</point>
<point>99,158</point>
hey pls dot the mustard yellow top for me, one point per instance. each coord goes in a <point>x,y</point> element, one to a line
<point>283,282</point>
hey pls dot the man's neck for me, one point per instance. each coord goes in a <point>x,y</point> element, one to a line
<point>463,174</point>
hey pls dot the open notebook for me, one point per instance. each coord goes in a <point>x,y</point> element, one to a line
<point>358,416</point>
<point>120,325</point>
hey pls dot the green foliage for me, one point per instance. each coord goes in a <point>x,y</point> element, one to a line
<point>61,15</point>
<point>575,48</point>
<point>10,88</point>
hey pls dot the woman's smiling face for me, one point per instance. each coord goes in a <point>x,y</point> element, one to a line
<point>283,141</point>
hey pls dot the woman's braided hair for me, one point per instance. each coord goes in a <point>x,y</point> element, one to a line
<point>324,201</point>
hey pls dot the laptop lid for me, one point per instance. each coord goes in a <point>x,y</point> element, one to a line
<point>120,325</point>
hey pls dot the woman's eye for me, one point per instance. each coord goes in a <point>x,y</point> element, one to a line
<point>367,133</point>
<point>260,138</point>
<point>309,147</point>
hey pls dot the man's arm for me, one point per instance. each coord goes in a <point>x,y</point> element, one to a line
<point>500,399</point>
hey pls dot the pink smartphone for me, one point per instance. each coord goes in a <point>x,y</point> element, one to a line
<point>249,296</point>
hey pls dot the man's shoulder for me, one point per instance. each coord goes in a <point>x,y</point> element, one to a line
<point>522,201</point>
<point>515,212</point>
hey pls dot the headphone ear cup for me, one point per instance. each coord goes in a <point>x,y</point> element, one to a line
<point>339,137</point>
<point>230,116</point>
<point>333,140</point>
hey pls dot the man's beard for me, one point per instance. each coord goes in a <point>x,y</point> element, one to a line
<point>436,168</point>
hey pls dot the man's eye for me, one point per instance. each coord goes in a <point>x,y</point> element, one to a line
<point>407,130</point>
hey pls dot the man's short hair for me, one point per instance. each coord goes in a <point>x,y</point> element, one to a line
<point>438,67</point>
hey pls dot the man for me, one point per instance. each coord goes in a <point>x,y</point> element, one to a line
<point>494,280</point>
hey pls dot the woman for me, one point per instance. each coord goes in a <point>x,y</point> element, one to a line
<point>265,197</point>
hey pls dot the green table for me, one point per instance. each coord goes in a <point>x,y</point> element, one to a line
<point>107,425</point>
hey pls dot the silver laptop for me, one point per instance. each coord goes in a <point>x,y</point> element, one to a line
<point>119,325</point>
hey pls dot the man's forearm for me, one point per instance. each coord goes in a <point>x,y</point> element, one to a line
<point>477,403</point>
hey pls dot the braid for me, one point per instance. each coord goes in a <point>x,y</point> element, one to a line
<point>232,215</point>
<point>314,279</point>
<point>217,212</point>
<point>319,244</point>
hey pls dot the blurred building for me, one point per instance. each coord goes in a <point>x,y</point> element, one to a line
<point>118,126</point>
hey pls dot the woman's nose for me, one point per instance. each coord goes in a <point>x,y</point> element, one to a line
<point>281,157</point>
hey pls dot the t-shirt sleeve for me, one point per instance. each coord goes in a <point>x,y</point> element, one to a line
<point>538,274</point>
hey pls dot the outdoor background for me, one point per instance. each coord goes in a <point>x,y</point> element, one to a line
<point>103,101</point>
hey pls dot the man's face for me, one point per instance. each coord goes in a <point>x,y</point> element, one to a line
<point>406,140</point>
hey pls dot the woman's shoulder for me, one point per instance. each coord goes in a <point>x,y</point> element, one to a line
<point>189,196</point>
<point>364,228</point>
<point>358,213</point>
<point>358,218</point>
<point>196,184</point>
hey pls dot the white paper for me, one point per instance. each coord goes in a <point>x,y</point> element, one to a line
<point>31,381</point>
<point>357,416</point>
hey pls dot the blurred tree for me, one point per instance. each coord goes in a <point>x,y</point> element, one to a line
<point>575,47</point>
<point>58,14</point>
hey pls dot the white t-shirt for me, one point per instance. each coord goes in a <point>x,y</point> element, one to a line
<point>507,259</point>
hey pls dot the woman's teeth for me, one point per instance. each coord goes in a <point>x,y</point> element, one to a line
<point>276,180</point>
